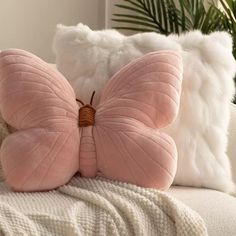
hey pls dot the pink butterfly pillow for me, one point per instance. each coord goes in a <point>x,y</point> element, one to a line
<point>57,136</point>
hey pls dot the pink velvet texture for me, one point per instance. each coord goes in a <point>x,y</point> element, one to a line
<point>124,144</point>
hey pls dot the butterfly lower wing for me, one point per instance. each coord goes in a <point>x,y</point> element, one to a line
<point>37,159</point>
<point>147,89</point>
<point>131,152</point>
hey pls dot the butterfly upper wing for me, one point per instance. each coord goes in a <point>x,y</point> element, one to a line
<point>140,98</point>
<point>39,102</point>
<point>150,91</point>
<point>33,94</point>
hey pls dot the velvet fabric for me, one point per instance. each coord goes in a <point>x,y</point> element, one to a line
<point>124,144</point>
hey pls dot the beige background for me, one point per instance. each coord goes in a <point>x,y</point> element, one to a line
<point>30,24</point>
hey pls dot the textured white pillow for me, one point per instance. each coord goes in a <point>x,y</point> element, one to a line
<point>89,58</point>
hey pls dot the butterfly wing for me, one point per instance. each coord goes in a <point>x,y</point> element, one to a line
<point>147,89</point>
<point>140,98</point>
<point>131,152</point>
<point>38,159</point>
<point>39,102</point>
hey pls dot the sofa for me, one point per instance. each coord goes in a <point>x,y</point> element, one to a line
<point>217,209</point>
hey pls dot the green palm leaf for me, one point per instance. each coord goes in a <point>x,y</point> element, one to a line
<point>160,16</point>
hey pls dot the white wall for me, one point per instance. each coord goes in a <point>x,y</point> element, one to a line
<point>111,9</point>
<point>30,24</point>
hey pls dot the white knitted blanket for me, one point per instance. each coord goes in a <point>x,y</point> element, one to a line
<point>96,207</point>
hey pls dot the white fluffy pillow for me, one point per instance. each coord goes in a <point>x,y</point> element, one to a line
<point>89,58</point>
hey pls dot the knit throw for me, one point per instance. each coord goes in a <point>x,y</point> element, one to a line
<point>96,207</point>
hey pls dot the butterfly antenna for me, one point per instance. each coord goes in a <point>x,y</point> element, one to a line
<point>91,100</point>
<point>79,101</point>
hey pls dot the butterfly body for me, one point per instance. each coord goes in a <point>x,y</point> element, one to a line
<point>87,155</point>
<point>119,139</point>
